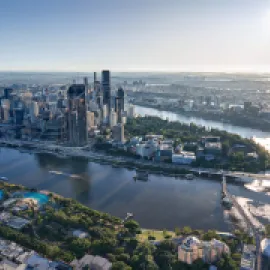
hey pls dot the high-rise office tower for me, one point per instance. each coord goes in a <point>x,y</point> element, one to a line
<point>34,111</point>
<point>113,118</point>
<point>5,104</point>
<point>118,133</point>
<point>98,94</point>
<point>77,117</point>
<point>7,93</point>
<point>131,111</point>
<point>105,114</point>
<point>106,87</point>
<point>119,104</point>
<point>85,80</point>
<point>90,120</point>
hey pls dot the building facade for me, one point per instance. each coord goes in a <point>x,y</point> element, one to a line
<point>106,87</point>
<point>77,118</point>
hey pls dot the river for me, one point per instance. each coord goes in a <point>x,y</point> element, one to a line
<point>259,136</point>
<point>161,202</point>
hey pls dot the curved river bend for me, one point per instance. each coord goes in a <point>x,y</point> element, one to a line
<point>162,202</point>
<point>259,136</point>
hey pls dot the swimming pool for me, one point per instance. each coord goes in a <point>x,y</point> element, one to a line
<point>1,194</point>
<point>41,198</point>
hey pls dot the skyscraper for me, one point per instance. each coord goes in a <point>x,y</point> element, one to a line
<point>77,118</point>
<point>85,80</point>
<point>106,87</point>
<point>119,104</point>
<point>7,93</point>
<point>118,132</point>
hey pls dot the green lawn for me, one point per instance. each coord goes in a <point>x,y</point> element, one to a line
<point>159,235</point>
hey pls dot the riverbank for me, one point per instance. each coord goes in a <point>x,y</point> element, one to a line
<point>241,121</point>
<point>165,169</point>
<point>51,232</point>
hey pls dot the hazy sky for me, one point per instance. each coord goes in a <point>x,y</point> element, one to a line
<point>127,35</point>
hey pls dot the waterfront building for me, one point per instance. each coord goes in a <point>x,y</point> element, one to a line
<point>147,148</point>
<point>184,157</point>
<point>77,119</point>
<point>106,87</point>
<point>209,251</point>
<point>118,133</point>
<point>54,128</point>
<point>164,151</point>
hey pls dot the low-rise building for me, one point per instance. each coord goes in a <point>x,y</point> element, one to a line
<point>164,151</point>
<point>209,251</point>
<point>184,158</point>
<point>213,148</point>
<point>93,262</point>
<point>248,258</point>
<point>146,148</point>
<point>15,257</point>
<point>80,234</point>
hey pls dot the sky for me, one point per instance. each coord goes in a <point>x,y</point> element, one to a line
<point>135,35</point>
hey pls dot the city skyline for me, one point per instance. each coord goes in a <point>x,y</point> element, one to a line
<point>158,36</point>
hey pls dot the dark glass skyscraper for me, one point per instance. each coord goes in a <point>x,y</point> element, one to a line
<point>106,87</point>
<point>7,93</point>
<point>119,103</point>
<point>77,120</point>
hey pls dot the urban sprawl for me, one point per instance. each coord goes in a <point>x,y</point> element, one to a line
<point>42,230</point>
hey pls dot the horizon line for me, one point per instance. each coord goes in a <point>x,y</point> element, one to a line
<point>229,71</point>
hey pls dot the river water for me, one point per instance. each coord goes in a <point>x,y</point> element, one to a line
<point>161,202</point>
<point>259,136</point>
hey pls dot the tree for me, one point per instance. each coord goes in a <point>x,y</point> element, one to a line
<point>132,226</point>
<point>124,257</point>
<point>164,259</point>
<point>187,230</point>
<point>267,230</point>
<point>210,235</point>
<point>80,246</point>
<point>199,264</point>
<point>177,231</point>
<point>120,266</point>
<point>226,263</point>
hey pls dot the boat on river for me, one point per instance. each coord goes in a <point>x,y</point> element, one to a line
<point>189,176</point>
<point>55,172</point>
<point>141,175</point>
<point>3,178</point>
